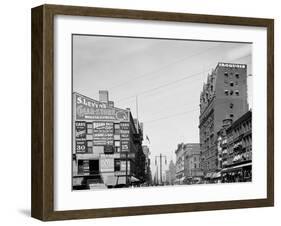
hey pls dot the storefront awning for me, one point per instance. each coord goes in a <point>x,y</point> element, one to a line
<point>216,175</point>
<point>182,179</point>
<point>178,180</point>
<point>134,179</point>
<point>236,167</point>
<point>208,175</point>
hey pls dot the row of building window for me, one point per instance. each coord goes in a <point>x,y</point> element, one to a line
<point>231,74</point>
<point>231,92</point>
<point>231,83</point>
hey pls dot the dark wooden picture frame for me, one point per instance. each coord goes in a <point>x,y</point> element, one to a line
<point>42,203</point>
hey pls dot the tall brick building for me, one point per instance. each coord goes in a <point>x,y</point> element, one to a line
<point>223,96</point>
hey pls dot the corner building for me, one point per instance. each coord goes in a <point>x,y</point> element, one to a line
<point>107,141</point>
<point>223,96</point>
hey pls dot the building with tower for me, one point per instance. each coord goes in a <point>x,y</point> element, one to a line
<point>224,96</point>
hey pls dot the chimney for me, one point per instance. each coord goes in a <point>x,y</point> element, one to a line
<point>103,96</point>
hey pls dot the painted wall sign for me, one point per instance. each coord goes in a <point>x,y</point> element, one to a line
<point>232,65</point>
<point>80,137</point>
<point>124,126</point>
<point>89,109</point>
<point>124,145</point>
<point>108,149</point>
<point>124,136</point>
<point>103,133</point>
<point>81,146</point>
<point>80,129</point>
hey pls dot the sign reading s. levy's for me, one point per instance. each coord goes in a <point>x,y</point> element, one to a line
<point>89,109</point>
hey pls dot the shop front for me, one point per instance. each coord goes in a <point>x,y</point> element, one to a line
<point>238,173</point>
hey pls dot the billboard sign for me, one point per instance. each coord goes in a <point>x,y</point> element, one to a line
<point>89,109</point>
<point>124,136</point>
<point>124,126</point>
<point>81,146</point>
<point>80,137</point>
<point>124,146</point>
<point>80,130</point>
<point>108,149</point>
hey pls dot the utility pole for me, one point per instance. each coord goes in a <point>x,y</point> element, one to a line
<point>161,157</point>
<point>160,168</point>
<point>157,175</point>
<point>137,112</point>
<point>126,169</point>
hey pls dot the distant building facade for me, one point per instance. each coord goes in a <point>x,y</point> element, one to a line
<point>107,141</point>
<point>192,168</point>
<point>171,173</point>
<point>223,96</point>
<point>148,175</point>
<point>180,155</point>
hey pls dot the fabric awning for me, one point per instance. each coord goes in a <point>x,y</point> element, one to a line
<point>134,179</point>
<point>182,179</point>
<point>208,175</point>
<point>236,167</point>
<point>216,175</point>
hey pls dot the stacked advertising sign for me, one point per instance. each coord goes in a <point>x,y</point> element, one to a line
<point>124,136</point>
<point>103,133</point>
<point>80,135</point>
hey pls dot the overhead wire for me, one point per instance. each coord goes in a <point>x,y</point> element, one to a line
<point>167,84</point>
<point>181,113</point>
<point>161,68</point>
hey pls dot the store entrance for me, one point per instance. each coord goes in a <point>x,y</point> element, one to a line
<point>95,179</point>
<point>94,167</point>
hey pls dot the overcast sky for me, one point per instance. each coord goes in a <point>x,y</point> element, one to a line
<point>166,76</point>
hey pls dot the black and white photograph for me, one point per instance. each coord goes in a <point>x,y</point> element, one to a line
<point>150,112</point>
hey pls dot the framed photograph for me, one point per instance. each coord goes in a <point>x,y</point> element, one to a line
<point>142,112</point>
